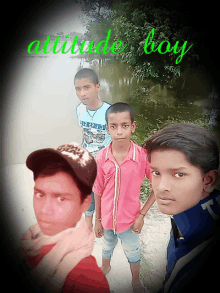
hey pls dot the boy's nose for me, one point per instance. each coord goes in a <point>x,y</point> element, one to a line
<point>82,93</point>
<point>119,130</point>
<point>47,206</point>
<point>163,185</point>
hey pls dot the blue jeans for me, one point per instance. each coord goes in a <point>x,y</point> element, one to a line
<point>129,241</point>
<point>91,209</point>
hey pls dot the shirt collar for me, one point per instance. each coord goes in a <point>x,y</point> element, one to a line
<point>132,154</point>
<point>198,221</point>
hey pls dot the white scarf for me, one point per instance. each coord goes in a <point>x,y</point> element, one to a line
<point>72,245</point>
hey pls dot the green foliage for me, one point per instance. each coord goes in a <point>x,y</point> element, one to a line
<point>133,28</point>
<point>152,115</point>
<point>97,18</point>
<point>99,33</point>
<point>131,22</point>
<point>145,190</point>
<point>96,9</point>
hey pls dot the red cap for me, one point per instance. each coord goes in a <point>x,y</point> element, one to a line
<point>74,155</point>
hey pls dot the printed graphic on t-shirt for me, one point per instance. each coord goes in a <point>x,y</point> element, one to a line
<point>95,135</point>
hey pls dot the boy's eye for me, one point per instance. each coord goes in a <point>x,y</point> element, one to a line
<point>112,126</point>
<point>61,199</point>
<point>179,174</point>
<point>38,194</point>
<point>125,126</point>
<point>155,173</point>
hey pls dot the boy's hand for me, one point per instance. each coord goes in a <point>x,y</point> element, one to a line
<point>138,224</point>
<point>98,229</point>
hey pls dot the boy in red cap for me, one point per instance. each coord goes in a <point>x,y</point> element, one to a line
<point>59,246</point>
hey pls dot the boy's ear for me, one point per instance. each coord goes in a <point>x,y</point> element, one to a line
<point>86,203</point>
<point>210,179</point>
<point>97,87</point>
<point>133,126</point>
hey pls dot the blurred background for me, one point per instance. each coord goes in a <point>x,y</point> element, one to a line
<point>38,96</point>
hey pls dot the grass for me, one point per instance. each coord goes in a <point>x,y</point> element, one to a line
<point>145,190</point>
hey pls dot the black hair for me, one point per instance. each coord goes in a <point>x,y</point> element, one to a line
<point>118,108</point>
<point>55,167</point>
<point>195,142</point>
<point>87,73</point>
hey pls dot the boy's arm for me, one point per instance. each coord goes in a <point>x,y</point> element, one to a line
<point>98,226</point>
<point>148,203</point>
<point>98,191</point>
<point>139,220</point>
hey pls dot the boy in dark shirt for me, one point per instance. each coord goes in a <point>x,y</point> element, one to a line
<point>184,165</point>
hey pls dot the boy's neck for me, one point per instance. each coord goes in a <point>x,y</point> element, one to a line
<point>95,104</point>
<point>121,148</point>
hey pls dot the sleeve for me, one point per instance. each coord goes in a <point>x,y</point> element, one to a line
<point>147,169</point>
<point>86,277</point>
<point>98,186</point>
<point>78,115</point>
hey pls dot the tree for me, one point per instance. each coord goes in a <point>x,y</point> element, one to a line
<point>97,19</point>
<point>132,25</point>
<point>131,21</point>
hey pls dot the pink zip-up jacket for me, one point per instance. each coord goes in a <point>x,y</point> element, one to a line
<point>119,186</point>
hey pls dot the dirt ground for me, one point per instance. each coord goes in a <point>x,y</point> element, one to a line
<point>154,239</point>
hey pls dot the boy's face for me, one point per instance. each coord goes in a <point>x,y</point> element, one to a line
<point>86,90</point>
<point>177,184</point>
<point>57,203</point>
<point>120,126</point>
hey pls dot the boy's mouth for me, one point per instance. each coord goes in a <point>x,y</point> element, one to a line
<point>45,224</point>
<point>165,200</point>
